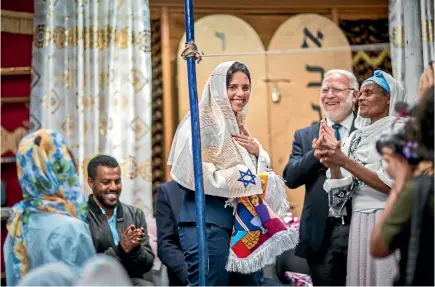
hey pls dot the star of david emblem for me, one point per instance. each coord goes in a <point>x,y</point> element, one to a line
<point>245,175</point>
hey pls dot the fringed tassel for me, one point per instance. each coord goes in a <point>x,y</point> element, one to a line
<point>16,22</point>
<point>265,254</point>
<point>276,196</point>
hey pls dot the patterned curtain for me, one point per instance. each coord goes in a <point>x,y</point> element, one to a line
<point>412,41</point>
<point>91,81</point>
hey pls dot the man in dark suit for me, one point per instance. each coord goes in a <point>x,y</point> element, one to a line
<point>323,234</point>
<point>168,204</point>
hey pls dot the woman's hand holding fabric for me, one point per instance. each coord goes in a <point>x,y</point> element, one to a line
<point>245,140</point>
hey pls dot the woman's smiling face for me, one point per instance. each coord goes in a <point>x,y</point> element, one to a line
<point>239,91</point>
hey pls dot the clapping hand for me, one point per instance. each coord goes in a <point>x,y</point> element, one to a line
<point>326,138</point>
<point>327,149</point>
<point>131,238</point>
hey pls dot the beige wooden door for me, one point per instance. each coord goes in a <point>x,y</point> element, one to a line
<point>298,78</point>
<point>218,34</point>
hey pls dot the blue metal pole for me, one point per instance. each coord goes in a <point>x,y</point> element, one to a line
<point>196,149</point>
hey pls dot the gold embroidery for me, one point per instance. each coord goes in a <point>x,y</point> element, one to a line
<point>139,127</point>
<point>121,101</point>
<point>104,125</point>
<point>66,79</point>
<point>427,30</point>
<point>139,80</point>
<point>129,168</point>
<point>143,41</point>
<point>92,37</point>
<point>60,37</point>
<point>123,38</point>
<point>51,101</point>
<point>86,102</point>
<point>398,36</point>
<point>69,128</point>
<point>145,170</point>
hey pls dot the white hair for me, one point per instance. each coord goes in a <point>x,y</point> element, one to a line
<point>350,76</point>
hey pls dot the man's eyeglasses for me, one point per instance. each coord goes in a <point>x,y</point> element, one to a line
<point>334,91</point>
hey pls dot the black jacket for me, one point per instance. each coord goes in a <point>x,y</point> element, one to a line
<point>138,261</point>
<point>168,204</point>
<point>304,169</point>
<point>417,261</point>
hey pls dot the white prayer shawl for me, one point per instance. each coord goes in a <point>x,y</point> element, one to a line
<point>226,165</point>
<point>367,154</point>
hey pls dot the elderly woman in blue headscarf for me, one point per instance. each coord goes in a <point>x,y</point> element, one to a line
<point>48,225</point>
<point>356,172</point>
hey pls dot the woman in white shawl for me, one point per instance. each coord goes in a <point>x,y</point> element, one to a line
<point>231,161</point>
<point>356,171</point>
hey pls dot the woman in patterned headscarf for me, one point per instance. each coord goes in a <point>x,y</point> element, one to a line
<point>48,225</point>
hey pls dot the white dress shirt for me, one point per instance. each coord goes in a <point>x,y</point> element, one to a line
<point>344,130</point>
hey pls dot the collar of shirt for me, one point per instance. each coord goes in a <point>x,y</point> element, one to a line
<point>113,215</point>
<point>346,123</point>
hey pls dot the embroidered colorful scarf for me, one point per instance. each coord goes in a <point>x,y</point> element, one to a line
<point>259,235</point>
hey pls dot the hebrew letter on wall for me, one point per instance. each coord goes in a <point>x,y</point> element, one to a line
<point>317,109</point>
<point>221,36</point>
<point>316,40</point>
<point>315,69</point>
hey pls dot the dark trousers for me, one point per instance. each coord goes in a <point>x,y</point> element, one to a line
<point>328,267</point>
<point>218,244</point>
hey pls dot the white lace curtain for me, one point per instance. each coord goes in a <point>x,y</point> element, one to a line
<point>91,81</point>
<point>412,41</point>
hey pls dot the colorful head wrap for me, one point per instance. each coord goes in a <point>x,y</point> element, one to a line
<point>49,183</point>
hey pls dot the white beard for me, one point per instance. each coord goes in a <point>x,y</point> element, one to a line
<point>342,113</point>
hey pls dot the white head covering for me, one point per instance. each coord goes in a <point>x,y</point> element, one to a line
<point>397,94</point>
<point>51,274</point>
<point>224,161</point>
<point>103,270</point>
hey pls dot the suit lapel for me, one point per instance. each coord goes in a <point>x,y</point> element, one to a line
<point>315,130</point>
<point>353,128</point>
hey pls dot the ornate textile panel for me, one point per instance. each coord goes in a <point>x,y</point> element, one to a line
<point>368,32</point>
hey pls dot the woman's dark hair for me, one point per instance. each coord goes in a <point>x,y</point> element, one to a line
<point>237,67</point>
<point>416,141</point>
<point>424,115</point>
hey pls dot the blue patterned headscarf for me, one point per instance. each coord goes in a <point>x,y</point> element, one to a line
<point>49,183</point>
